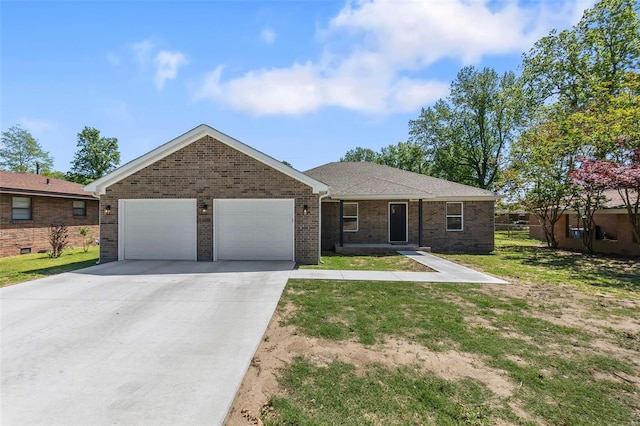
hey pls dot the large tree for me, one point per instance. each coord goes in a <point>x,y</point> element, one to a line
<point>466,136</point>
<point>405,156</point>
<point>582,82</point>
<point>21,152</point>
<point>570,65</point>
<point>360,154</point>
<point>538,176</point>
<point>95,157</point>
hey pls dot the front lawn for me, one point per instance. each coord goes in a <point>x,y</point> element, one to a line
<point>549,349</point>
<point>520,258</point>
<point>28,267</point>
<point>374,262</point>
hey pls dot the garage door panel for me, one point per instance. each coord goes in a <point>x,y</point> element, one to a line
<point>254,229</point>
<point>159,229</point>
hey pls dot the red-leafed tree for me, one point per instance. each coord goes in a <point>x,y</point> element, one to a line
<point>593,177</point>
<point>626,179</point>
<point>590,180</point>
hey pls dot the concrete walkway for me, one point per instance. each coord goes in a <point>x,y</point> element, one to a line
<point>447,272</point>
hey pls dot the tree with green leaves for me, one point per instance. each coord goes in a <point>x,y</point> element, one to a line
<point>538,176</point>
<point>21,152</point>
<point>570,65</point>
<point>359,154</point>
<point>608,132</point>
<point>580,81</point>
<point>404,155</point>
<point>96,156</point>
<point>466,136</point>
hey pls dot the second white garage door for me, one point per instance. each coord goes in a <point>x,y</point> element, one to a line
<point>254,229</point>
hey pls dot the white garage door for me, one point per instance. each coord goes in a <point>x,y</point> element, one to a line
<point>158,229</point>
<point>253,229</point>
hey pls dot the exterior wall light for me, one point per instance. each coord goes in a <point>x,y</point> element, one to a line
<point>107,210</point>
<point>205,208</point>
<point>305,210</point>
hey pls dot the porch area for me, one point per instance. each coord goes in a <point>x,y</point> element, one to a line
<point>366,248</point>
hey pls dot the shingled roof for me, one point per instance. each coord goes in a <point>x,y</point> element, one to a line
<point>375,181</point>
<point>32,184</point>
<point>613,199</point>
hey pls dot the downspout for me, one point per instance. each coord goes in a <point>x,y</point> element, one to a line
<point>320,226</point>
<point>341,223</point>
<point>419,223</point>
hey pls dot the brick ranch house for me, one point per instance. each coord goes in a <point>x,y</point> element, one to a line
<point>376,206</point>
<point>613,234</point>
<point>206,196</point>
<point>31,203</point>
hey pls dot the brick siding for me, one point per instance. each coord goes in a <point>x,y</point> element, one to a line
<point>34,234</point>
<point>208,169</point>
<point>616,226</point>
<point>373,216</point>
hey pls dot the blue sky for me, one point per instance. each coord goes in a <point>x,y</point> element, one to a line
<point>302,81</point>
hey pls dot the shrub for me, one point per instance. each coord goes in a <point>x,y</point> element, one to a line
<point>58,238</point>
<point>87,241</point>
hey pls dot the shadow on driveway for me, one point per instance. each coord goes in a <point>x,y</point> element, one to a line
<point>170,267</point>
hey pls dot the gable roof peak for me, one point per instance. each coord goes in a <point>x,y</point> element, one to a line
<point>99,186</point>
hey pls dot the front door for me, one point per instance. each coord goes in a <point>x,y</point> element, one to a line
<point>398,222</point>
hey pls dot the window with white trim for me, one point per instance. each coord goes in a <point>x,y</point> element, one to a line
<point>455,216</point>
<point>350,217</point>
<point>20,208</point>
<point>79,208</point>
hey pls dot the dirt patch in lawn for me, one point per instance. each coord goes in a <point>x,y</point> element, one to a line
<point>281,345</point>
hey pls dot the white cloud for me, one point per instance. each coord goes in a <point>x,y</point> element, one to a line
<point>268,36</point>
<point>409,94</point>
<point>167,64</point>
<point>148,58</point>
<point>142,51</point>
<point>374,48</point>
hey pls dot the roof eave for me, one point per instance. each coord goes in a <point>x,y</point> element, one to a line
<point>17,191</point>
<point>354,197</point>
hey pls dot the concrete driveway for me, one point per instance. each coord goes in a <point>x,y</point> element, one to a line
<point>133,342</point>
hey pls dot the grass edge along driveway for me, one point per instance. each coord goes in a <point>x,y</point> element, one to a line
<point>27,267</point>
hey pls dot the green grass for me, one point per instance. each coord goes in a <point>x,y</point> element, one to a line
<point>375,262</point>
<point>521,258</point>
<point>560,373</point>
<point>557,381</point>
<point>337,395</point>
<point>28,267</point>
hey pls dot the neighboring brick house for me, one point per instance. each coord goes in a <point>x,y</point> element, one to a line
<point>31,203</point>
<point>613,234</point>
<point>206,196</point>
<point>383,207</point>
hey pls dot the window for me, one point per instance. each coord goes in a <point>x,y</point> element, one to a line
<point>454,217</point>
<point>350,217</point>
<point>21,208</point>
<point>79,208</point>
